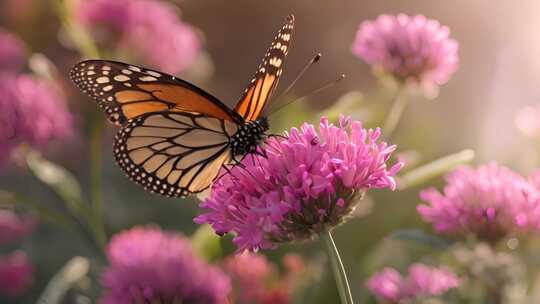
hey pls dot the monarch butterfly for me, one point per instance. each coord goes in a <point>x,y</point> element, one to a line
<point>175,137</point>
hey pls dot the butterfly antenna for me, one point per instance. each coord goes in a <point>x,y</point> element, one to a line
<point>322,88</point>
<point>310,63</point>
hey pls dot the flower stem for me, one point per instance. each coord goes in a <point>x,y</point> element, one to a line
<point>392,120</point>
<point>337,266</point>
<point>96,134</point>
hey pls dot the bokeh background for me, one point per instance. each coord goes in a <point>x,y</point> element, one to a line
<point>498,74</point>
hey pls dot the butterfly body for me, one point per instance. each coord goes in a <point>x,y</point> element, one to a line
<point>174,137</point>
<point>249,136</point>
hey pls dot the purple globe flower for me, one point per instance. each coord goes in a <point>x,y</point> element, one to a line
<point>148,265</point>
<point>307,183</point>
<point>16,274</point>
<point>12,51</point>
<point>32,111</point>
<point>421,282</point>
<point>262,282</point>
<point>411,49</point>
<point>490,202</point>
<point>534,179</point>
<point>386,284</point>
<point>149,31</point>
<point>14,227</point>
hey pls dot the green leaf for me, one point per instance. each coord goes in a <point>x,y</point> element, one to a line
<point>206,243</point>
<point>73,271</point>
<point>61,181</point>
<point>421,237</point>
<point>435,168</point>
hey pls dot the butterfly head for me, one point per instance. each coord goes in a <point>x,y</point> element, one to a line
<point>249,136</point>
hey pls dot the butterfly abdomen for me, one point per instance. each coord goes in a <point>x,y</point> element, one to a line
<point>248,136</point>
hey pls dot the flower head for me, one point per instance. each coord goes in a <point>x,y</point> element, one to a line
<point>12,51</point>
<point>306,183</point>
<point>13,227</point>
<point>422,281</point>
<point>386,284</point>
<point>16,274</point>
<point>148,264</point>
<point>146,30</point>
<point>256,280</point>
<point>32,111</point>
<point>489,202</point>
<point>409,48</point>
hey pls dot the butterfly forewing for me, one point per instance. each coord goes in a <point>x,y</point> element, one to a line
<point>175,137</point>
<point>174,154</point>
<point>253,101</point>
<point>126,91</point>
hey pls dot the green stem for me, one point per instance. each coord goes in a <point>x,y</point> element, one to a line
<point>81,38</point>
<point>392,120</point>
<point>435,168</point>
<point>337,266</point>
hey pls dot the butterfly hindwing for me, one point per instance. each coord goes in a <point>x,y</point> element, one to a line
<point>126,91</point>
<point>253,101</point>
<point>174,154</point>
<point>174,137</point>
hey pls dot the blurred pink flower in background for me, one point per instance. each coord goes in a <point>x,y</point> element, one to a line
<point>527,120</point>
<point>12,52</point>
<point>16,274</point>
<point>534,179</point>
<point>32,111</point>
<point>386,284</point>
<point>490,202</point>
<point>410,48</point>
<point>14,227</point>
<point>256,280</point>
<point>16,271</point>
<point>308,182</point>
<point>148,265</point>
<point>149,31</point>
<point>421,282</point>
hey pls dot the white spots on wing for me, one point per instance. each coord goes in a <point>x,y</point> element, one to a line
<point>286,37</point>
<point>148,78</point>
<point>127,84</point>
<point>91,67</point>
<point>102,79</point>
<point>127,72</point>
<point>276,62</point>
<point>262,70</point>
<point>106,68</point>
<point>155,74</point>
<point>107,88</point>
<point>110,98</point>
<point>121,78</point>
<point>284,49</point>
<point>134,68</point>
<point>90,73</point>
<point>105,72</point>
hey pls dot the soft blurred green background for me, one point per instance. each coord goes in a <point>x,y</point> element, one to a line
<point>498,74</point>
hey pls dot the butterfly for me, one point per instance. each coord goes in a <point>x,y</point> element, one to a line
<point>174,137</point>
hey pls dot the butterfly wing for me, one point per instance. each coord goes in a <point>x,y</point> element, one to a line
<point>174,154</point>
<point>253,101</point>
<point>125,91</point>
